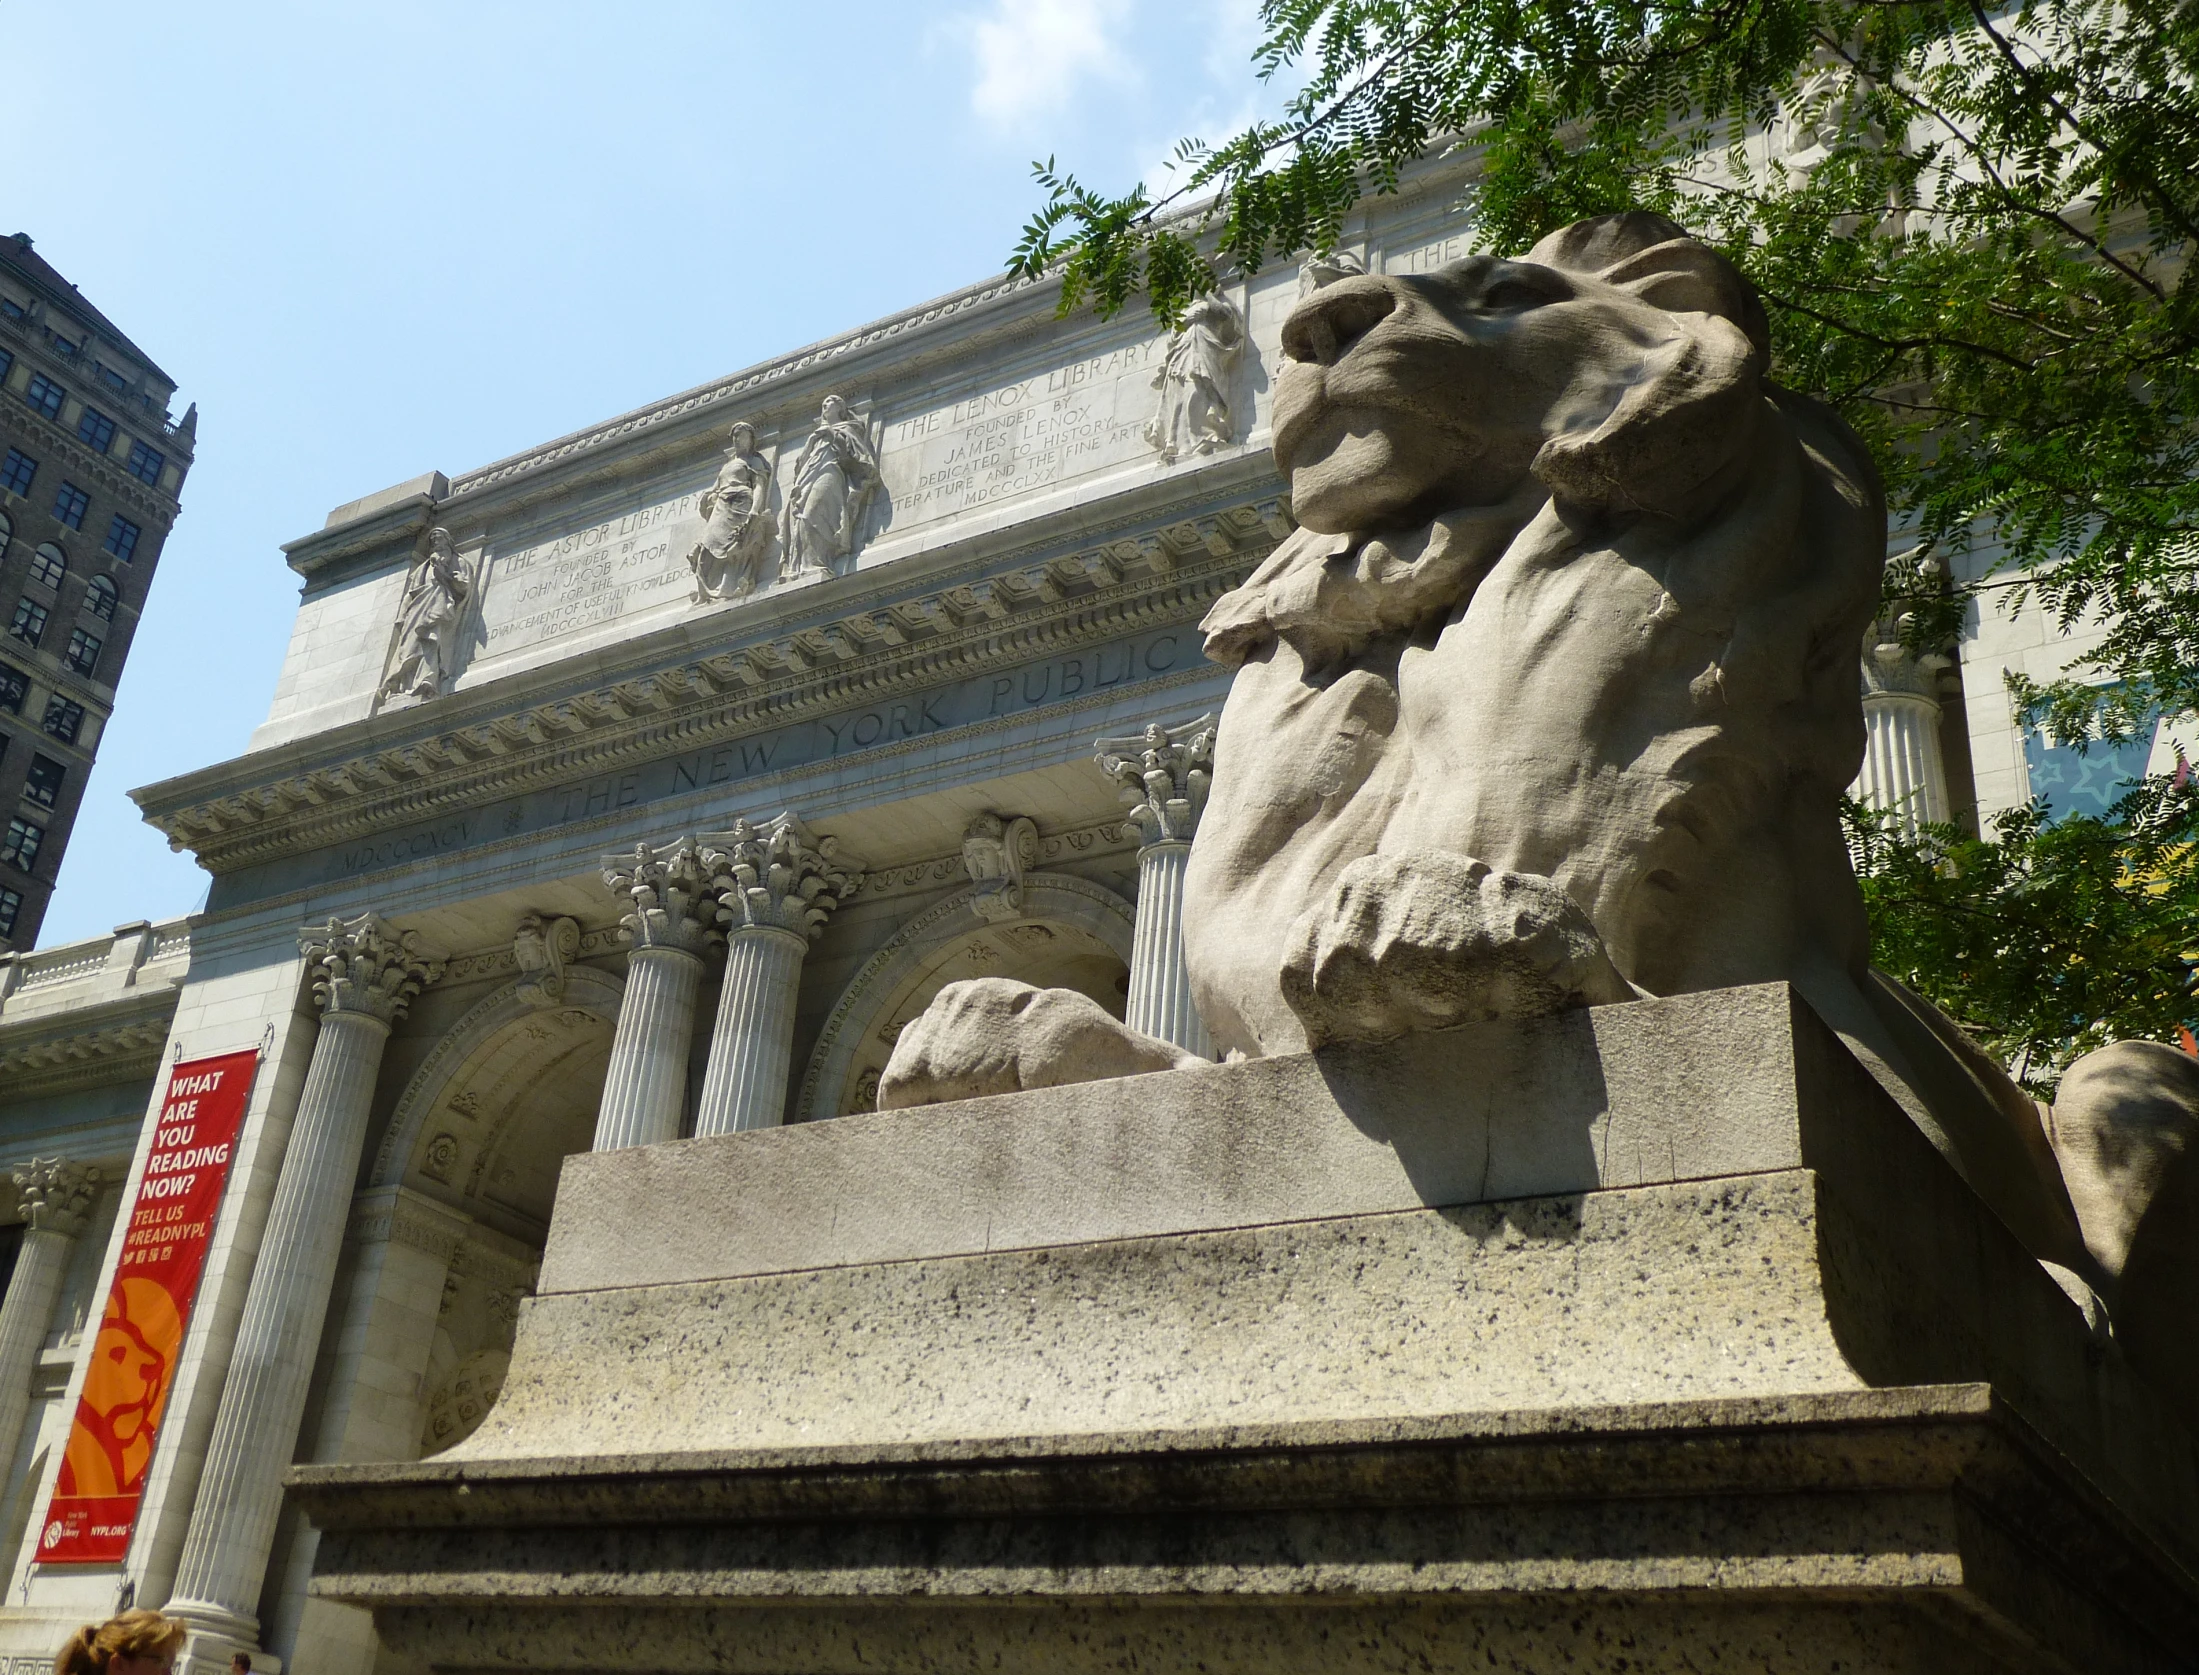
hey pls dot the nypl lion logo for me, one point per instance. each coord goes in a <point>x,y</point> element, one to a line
<point>132,1363</point>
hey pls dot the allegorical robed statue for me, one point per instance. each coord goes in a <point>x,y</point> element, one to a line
<point>1192,414</point>
<point>834,475</point>
<point>729,560</point>
<point>426,654</point>
<point>1550,702</point>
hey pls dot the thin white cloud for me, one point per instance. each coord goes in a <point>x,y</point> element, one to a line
<point>1034,55</point>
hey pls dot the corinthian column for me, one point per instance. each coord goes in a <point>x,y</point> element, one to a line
<point>668,924</point>
<point>1904,773</point>
<point>55,1196</point>
<point>776,887</point>
<point>1164,773</point>
<point>364,975</point>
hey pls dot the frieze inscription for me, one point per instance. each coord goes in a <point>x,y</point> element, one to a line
<point>1077,676</point>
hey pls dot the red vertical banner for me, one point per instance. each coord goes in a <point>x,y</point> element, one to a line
<point>133,1360</point>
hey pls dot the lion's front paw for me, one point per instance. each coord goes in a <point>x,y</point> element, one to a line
<point>1429,939</point>
<point>992,1035</point>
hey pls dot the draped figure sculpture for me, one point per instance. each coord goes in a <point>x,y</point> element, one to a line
<point>1192,415</point>
<point>1550,702</point>
<point>426,653</point>
<point>728,561</point>
<point>822,523</point>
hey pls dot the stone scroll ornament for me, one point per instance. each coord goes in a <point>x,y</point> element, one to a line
<point>732,558</point>
<point>425,650</point>
<point>1550,702</point>
<point>835,474</point>
<point>997,850</point>
<point>1193,414</point>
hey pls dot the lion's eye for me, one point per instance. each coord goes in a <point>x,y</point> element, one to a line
<point>1512,295</point>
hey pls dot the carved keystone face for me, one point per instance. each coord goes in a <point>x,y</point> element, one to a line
<point>1403,396</point>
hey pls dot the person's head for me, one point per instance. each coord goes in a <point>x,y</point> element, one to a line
<point>133,1643</point>
<point>743,438</point>
<point>835,411</point>
<point>240,1663</point>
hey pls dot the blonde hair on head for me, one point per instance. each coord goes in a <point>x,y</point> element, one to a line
<point>132,1634</point>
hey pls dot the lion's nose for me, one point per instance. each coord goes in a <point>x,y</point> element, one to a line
<point>1323,328</point>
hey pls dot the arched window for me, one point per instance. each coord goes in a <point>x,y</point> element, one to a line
<point>48,565</point>
<point>100,598</point>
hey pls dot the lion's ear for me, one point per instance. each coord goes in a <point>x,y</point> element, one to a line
<point>1661,450</point>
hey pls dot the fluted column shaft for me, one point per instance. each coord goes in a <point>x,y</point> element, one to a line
<point>777,885</point>
<point>645,1090</point>
<point>1160,983</point>
<point>752,1045</point>
<point>365,977</point>
<point>668,922</point>
<point>55,1195</point>
<point>1903,772</point>
<point>1164,774</point>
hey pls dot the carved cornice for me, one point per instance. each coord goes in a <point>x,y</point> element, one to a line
<point>504,961</point>
<point>952,634</point>
<point>95,1046</point>
<point>747,386</point>
<point>102,471</point>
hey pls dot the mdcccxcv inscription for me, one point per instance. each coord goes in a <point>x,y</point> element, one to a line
<point>1085,674</point>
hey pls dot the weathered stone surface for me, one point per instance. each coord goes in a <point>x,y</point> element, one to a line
<point>1651,1337</point>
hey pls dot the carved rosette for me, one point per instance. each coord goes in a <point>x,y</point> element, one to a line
<point>777,876</point>
<point>1164,774</point>
<point>669,899</point>
<point>996,852</point>
<point>55,1195</point>
<point>366,968</point>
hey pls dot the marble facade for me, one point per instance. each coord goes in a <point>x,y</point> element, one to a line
<point>642,786</point>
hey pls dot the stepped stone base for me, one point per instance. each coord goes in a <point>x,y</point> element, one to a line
<point>1647,1338</point>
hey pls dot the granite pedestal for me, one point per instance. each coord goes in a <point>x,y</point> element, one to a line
<point>1648,1338</point>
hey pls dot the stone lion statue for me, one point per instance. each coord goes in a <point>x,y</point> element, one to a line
<point>1550,701</point>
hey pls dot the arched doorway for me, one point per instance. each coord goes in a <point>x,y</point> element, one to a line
<point>1072,934</point>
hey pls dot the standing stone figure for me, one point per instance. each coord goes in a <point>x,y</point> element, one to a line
<point>427,650</point>
<point>1192,416</point>
<point>736,536</point>
<point>833,479</point>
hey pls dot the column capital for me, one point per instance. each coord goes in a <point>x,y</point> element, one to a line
<point>667,892</point>
<point>1163,774</point>
<point>777,876</point>
<point>366,968</point>
<point>55,1194</point>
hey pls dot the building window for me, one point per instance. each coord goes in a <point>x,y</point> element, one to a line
<point>14,685</point>
<point>42,785</point>
<point>63,344</point>
<point>11,308</point>
<point>29,623</point>
<point>69,504</point>
<point>114,379</point>
<point>83,651</point>
<point>95,430</point>
<point>145,463</point>
<point>100,598</point>
<point>17,471</point>
<point>21,848</point>
<point>122,537</point>
<point>48,566</point>
<point>11,904</point>
<point>64,719</point>
<point>7,534</point>
<point>45,395</point>
<point>7,365</point>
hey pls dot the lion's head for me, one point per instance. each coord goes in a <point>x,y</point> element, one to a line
<point>1615,363</point>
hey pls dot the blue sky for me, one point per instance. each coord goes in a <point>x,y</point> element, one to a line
<point>391,238</point>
